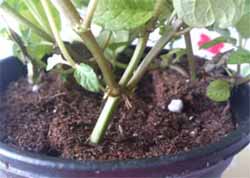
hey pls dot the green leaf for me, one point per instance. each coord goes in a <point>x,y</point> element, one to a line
<point>123,14</point>
<point>203,13</point>
<point>219,91</point>
<point>34,12</point>
<point>114,37</point>
<point>243,25</point>
<point>240,56</point>
<point>218,40</point>
<point>81,3</point>
<point>87,78</point>
<point>35,44</point>
<point>118,42</point>
<point>36,9</point>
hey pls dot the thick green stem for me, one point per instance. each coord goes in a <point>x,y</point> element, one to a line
<point>104,119</point>
<point>9,11</point>
<point>106,114</point>
<point>142,43</point>
<point>141,70</point>
<point>109,108</point>
<point>111,103</point>
<point>190,55</point>
<point>90,13</point>
<point>56,33</point>
<point>96,50</point>
<point>89,40</point>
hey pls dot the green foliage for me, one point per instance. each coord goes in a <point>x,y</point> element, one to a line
<point>221,39</point>
<point>114,42</point>
<point>219,91</point>
<point>244,23</point>
<point>87,78</point>
<point>33,11</point>
<point>172,57</point>
<point>125,14</point>
<point>36,46</point>
<point>204,13</point>
<point>36,9</point>
<point>81,3</point>
<point>240,56</point>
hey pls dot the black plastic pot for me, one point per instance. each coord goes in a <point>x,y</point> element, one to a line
<point>206,162</point>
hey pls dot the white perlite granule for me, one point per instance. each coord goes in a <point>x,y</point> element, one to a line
<point>175,105</point>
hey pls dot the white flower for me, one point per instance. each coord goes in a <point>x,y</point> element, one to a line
<point>175,106</point>
<point>54,60</point>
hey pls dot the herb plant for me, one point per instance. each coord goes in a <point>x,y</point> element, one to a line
<point>122,22</point>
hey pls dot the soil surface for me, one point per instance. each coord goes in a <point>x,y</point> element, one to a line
<point>57,120</point>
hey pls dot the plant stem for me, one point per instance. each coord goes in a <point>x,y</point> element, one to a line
<point>142,43</point>
<point>142,68</point>
<point>111,103</point>
<point>90,13</point>
<point>9,11</point>
<point>37,15</point>
<point>89,40</point>
<point>158,8</point>
<point>107,40</point>
<point>104,120</point>
<point>96,50</point>
<point>56,33</point>
<point>190,55</point>
<point>110,106</point>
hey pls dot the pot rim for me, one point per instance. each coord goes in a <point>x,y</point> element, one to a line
<point>43,160</point>
<point>226,147</point>
<point>240,137</point>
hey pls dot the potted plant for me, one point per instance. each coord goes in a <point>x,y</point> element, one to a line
<point>156,119</point>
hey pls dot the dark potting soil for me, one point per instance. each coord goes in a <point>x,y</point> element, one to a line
<point>57,120</point>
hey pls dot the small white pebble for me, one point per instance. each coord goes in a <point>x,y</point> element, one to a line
<point>187,81</point>
<point>191,118</point>
<point>175,106</point>
<point>208,164</point>
<point>135,134</point>
<point>35,88</point>
<point>193,133</point>
<point>120,129</point>
<point>97,172</point>
<point>55,110</point>
<point>186,149</point>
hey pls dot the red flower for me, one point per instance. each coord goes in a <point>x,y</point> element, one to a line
<point>216,49</point>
